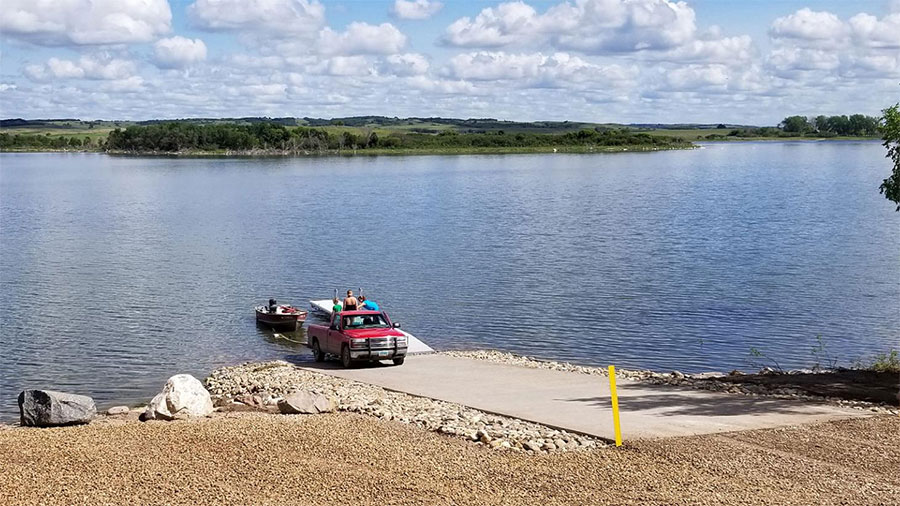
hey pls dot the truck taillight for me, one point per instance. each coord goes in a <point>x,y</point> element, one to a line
<point>357,343</point>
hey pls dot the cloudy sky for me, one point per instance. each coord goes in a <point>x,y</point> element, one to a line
<point>738,61</point>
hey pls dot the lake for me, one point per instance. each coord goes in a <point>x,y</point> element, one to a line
<point>118,272</point>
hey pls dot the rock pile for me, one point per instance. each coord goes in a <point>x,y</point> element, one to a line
<point>712,381</point>
<point>48,408</point>
<point>272,383</point>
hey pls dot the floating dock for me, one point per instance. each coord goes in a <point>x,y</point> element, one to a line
<point>414,344</point>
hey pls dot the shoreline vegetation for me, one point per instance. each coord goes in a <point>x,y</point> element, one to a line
<point>377,135</point>
<point>275,139</point>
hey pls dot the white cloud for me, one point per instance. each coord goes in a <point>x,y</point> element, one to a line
<point>415,9</point>
<point>592,26</point>
<point>349,66</point>
<point>441,86</point>
<point>538,70</point>
<point>269,17</point>
<point>492,66</point>
<point>812,45</point>
<point>698,80</point>
<point>129,84</point>
<point>407,64</point>
<point>257,90</point>
<point>508,23</point>
<point>84,22</point>
<point>87,67</point>
<point>785,60</point>
<point>7,87</point>
<point>809,25</point>
<point>692,77</point>
<point>362,38</point>
<point>725,50</point>
<point>178,52</point>
<point>869,31</point>
<point>622,25</point>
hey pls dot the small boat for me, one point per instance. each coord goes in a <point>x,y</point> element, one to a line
<point>285,317</point>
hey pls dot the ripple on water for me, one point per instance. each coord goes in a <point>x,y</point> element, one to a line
<point>119,272</point>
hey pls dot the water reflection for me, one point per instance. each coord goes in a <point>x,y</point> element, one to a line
<point>119,272</point>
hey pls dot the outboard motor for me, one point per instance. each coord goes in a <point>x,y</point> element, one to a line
<point>273,305</point>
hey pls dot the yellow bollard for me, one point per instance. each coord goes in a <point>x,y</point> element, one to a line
<point>615,404</point>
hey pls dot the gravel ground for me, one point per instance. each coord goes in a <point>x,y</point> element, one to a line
<point>261,385</point>
<point>347,458</point>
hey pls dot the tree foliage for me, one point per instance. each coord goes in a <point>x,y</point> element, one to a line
<point>35,141</point>
<point>856,124</point>
<point>795,124</point>
<point>890,132</point>
<point>177,137</point>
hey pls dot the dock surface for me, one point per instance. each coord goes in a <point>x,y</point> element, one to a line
<point>581,402</point>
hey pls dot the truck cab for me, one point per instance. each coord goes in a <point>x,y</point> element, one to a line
<point>358,336</point>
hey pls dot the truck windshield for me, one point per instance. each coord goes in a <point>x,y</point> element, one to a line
<point>369,321</point>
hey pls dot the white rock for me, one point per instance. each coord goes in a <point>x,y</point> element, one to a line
<point>118,410</point>
<point>183,396</point>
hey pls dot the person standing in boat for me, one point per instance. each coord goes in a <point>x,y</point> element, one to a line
<point>336,308</point>
<point>368,305</point>
<point>273,305</point>
<point>350,302</point>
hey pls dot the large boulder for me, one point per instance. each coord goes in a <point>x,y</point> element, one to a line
<point>47,408</point>
<point>305,403</point>
<point>182,397</point>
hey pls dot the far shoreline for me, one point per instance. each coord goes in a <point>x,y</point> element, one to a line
<point>367,152</point>
<point>586,150</point>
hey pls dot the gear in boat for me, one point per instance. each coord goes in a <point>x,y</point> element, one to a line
<point>280,316</point>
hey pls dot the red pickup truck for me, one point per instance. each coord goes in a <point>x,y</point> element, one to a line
<point>358,336</point>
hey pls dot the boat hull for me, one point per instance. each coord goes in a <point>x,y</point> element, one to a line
<point>281,321</point>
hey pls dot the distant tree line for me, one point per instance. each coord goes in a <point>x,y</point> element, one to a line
<point>25,141</point>
<point>856,125</point>
<point>174,137</point>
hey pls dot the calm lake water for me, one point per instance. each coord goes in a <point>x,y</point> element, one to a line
<point>119,272</point>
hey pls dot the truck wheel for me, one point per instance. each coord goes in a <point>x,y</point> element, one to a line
<point>317,351</point>
<point>399,360</point>
<point>345,357</point>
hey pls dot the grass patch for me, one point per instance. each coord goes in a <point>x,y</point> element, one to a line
<point>880,362</point>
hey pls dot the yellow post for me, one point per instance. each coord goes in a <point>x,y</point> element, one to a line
<point>615,404</point>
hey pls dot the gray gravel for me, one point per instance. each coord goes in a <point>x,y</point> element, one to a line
<point>262,385</point>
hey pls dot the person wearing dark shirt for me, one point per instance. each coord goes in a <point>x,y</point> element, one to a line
<point>350,302</point>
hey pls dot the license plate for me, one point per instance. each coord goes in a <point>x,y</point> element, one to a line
<point>383,353</point>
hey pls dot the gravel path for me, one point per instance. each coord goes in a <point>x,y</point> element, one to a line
<point>347,458</point>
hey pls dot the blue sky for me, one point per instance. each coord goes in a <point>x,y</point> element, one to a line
<point>589,60</point>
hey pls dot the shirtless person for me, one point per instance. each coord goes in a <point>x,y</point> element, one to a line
<point>350,302</point>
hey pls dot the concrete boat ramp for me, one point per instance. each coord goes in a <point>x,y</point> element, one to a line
<point>580,402</point>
